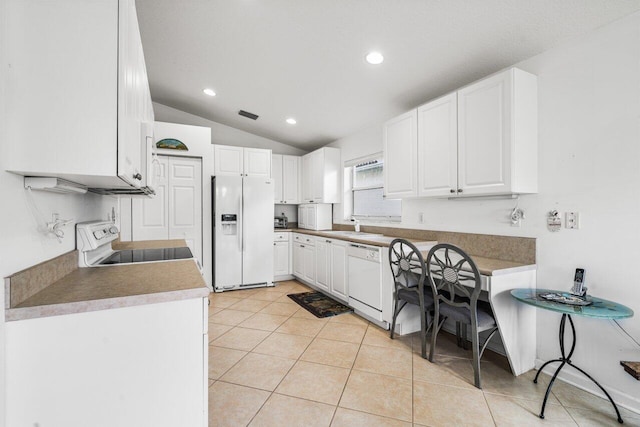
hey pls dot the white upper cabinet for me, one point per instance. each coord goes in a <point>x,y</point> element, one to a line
<point>321,176</point>
<point>291,179</point>
<point>276,175</point>
<point>241,161</point>
<point>438,147</point>
<point>257,162</point>
<point>478,141</point>
<point>228,160</point>
<point>498,134</point>
<point>400,146</point>
<point>84,82</point>
<point>285,171</point>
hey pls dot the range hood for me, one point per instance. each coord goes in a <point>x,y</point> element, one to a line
<point>54,185</point>
<point>139,191</point>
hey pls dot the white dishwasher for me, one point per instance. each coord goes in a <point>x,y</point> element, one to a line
<point>365,280</point>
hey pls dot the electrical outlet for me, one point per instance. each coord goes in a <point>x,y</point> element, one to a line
<point>572,220</point>
<point>420,217</point>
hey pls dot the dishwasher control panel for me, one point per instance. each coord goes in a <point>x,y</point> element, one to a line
<point>373,255</point>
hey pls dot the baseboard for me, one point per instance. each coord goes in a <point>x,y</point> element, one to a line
<point>283,278</point>
<point>575,378</point>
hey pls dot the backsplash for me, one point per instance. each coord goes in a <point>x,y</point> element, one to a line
<point>506,248</point>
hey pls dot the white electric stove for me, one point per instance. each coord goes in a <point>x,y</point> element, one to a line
<point>93,240</point>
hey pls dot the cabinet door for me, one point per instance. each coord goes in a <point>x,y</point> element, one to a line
<point>317,176</point>
<point>150,216</point>
<point>228,160</point>
<point>290,179</point>
<point>309,261</point>
<point>280,258</point>
<point>298,260</point>
<point>307,178</point>
<point>438,147</point>
<point>302,221</point>
<point>311,217</point>
<point>185,202</point>
<point>338,261</point>
<point>278,177</point>
<point>323,264</point>
<point>132,86</point>
<point>257,162</point>
<point>484,131</point>
<point>400,147</point>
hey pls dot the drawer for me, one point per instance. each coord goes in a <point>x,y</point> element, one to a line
<point>304,238</point>
<point>281,236</point>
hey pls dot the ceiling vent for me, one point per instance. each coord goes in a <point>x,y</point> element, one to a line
<point>248,114</point>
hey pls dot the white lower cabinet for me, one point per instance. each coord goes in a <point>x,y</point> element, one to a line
<point>339,285</point>
<point>282,264</point>
<point>323,263</point>
<point>106,367</point>
<point>331,267</point>
<point>304,258</point>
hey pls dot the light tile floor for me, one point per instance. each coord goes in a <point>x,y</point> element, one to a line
<point>272,363</point>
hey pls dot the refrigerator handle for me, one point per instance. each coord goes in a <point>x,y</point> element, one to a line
<point>239,229</point>
<point>242,213</point>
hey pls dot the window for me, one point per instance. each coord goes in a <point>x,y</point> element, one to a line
<point>364,182</point>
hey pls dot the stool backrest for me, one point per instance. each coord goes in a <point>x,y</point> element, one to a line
<point>453,276</point>
<point>407,265</point>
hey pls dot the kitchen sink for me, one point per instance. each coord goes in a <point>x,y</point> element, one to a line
<point>355,234</point>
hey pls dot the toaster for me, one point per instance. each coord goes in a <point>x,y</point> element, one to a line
<point>280,221</point>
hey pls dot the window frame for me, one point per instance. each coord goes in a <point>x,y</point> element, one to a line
<point>350,189</point>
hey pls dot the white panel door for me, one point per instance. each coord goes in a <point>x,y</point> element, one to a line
<point>290,179</point>
<point>257,162</point>
<point>185,202</point>
<point>484,132</point>
<point>228,160</point>
<point>400,147</point>
<point>150,216</point>
<point>278,177</point>
<point>323,263</point>
<point>338,261</point>
<point>438,147</point>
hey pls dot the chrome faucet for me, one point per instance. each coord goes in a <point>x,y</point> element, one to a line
<point>356,224</point>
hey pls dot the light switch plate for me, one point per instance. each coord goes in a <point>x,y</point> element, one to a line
<point>572,220</point>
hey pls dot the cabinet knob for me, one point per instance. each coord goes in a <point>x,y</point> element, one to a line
<point>459,190</point>
<point>137,176</point>
<point>452,191</point>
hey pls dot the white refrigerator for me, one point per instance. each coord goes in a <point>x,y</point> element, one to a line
<point>242,232</point>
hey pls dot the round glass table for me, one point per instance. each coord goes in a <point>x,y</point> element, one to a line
<point>567,304</point>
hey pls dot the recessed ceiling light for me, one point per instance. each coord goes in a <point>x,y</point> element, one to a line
<point>374,58</point>
<point>209,92</point>
<point>291,121</point>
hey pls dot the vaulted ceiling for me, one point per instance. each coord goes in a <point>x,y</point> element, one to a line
<point>305,58</point>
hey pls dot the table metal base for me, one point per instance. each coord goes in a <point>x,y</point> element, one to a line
<point>566,360</point>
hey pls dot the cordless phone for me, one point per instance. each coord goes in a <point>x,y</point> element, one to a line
<point>579,287</point>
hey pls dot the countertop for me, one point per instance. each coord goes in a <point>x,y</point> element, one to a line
<point>115,286</point>
<point>487,266</point>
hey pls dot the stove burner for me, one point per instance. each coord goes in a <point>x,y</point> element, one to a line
<point>130,256</point>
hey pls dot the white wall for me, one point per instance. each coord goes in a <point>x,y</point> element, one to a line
<point>223,134</point>
<point>589,161</point>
